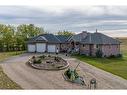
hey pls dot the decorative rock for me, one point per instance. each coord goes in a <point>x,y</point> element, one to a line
<point>49,63</point>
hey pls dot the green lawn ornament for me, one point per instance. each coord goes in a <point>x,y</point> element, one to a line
<point>71,75</point>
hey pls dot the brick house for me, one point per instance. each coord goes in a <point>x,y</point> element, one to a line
<point>90,43</point>
<point>82,43</point>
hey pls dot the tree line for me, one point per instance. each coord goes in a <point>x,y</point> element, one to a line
<point>14,38</point>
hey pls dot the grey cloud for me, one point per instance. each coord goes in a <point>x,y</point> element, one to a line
<point>104,18</point>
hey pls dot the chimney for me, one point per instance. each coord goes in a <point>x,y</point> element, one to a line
<point>84,34</point>
<point>84,31</point>
<point>96,30</point>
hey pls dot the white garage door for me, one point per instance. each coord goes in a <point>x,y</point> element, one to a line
<point>41,47</point>
<point>51,48</point>
<point>31,48</point>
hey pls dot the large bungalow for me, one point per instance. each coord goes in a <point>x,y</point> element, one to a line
<point>82,43</point>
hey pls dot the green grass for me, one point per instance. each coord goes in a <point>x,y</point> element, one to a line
<point>4,55</point>
<point>5,81</point>
<point>117,66</point>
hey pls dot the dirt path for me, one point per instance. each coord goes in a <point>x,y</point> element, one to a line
<point>30,78</point>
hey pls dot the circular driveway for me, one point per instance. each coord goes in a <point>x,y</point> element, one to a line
<point>29,78</point>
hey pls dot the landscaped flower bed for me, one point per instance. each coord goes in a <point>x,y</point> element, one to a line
<point>48,62</point>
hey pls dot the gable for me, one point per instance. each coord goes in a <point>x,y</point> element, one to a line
<point>63,38</point>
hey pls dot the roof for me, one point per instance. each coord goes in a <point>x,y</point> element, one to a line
<point>79,36</point>
<point>76,37</point>
<point>99,38</point>
<point>84,38</point>
<point>50,38</point>
<point>63,38</point>
<point>41,38</point>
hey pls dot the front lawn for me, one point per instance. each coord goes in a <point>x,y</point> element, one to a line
<point>117,66</point>
<point>5,81</point>
<point>4,55</point>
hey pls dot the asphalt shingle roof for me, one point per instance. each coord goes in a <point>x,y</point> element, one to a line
<point>91,38</point>
<point>50,38</point>
<point>78,37</point>
<point>63,38</point>
<point>41,38</point>
<point>99,38</point>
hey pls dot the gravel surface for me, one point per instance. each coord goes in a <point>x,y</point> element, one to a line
<point>29,78</point>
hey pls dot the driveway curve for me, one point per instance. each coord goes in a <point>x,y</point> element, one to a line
<point>29,78</point>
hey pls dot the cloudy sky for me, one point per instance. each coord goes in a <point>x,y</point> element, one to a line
<point>110,20</point>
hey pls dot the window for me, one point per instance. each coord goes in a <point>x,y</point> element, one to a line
<point>97,46</point>
<point>83,45</point>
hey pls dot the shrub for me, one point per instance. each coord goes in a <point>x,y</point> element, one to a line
<point>112,56</point>
<point>57,59</point>
<point>37,61</point>
<point>119,55</point>
<point>49,55</point>
<point>99,53</point>
<point>43,56</point>
<point>33,57</point>
<point>115,56</point>
<point>105,56</point>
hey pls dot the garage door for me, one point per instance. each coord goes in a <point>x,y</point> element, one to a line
<point>51,48</point>
<point>41,47</point>
<point>31,48</point>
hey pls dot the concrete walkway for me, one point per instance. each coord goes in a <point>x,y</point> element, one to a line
<point>29,78</point>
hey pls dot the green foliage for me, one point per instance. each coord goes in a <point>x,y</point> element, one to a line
<point>117,65</point>
<point>66,33</point>
<point>99,53</point>
<point>14,38</point>
<point>71,73</point>
<point>42,57</point>
<point>116,56</point>
<point>120,55</point>
<point>112,56</point>
<point>57,59</point>
<point>37,61</point>
<point>5,81</point>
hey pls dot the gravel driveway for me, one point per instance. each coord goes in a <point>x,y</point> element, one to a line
<point>29,78</point>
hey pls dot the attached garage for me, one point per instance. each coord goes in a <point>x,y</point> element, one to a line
<point>44,43</point>
<point>40,47</point>
<point>51,48</point>
<point>31,47</point>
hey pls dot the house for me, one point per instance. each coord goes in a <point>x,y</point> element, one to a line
<point>82,43</point>
<point>64,43</point>
<point>47,43</point>
<point>43,43</point>
<point>89,43</point>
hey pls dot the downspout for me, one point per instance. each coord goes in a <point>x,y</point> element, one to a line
<point>90,46</point>
<point>46,47</point>
<point>119,49</point>
<point>35,47</point>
